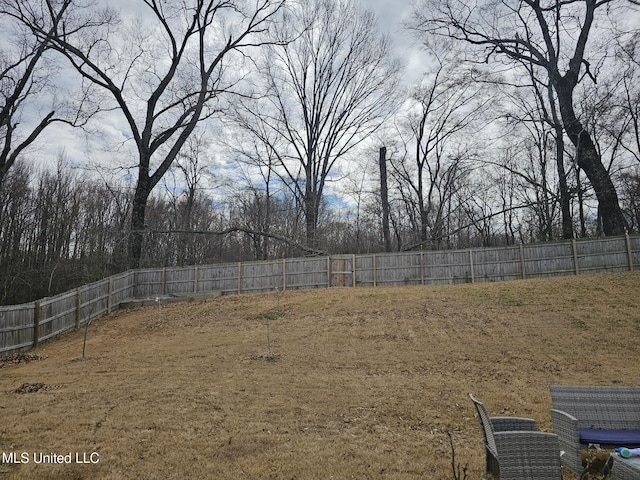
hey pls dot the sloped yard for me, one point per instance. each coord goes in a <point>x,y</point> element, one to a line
<point>358,383</point>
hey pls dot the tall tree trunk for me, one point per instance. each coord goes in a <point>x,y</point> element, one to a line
<point>311,216</point>
<point>384,195</point>
<point>589,161</point>
<point>583,223</point>
<point>565,197</point>
<point>138,210</point>
<point>422,210</point>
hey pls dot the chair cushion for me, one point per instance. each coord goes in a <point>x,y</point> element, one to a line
<point>624,438</point>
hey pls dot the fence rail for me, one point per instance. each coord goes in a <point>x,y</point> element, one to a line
<point>24,326</point>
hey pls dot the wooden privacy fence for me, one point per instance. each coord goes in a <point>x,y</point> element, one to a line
<point>23,326</point>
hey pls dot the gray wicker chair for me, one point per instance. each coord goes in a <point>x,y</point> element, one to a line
<point>515,451</point>
<point>578,410</point>
<point>624,471</point>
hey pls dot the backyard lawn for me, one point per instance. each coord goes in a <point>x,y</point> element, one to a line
<point>364,383</point>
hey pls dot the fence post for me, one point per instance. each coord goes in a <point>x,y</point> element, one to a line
<point>473,279</point>
<point>284,274</point>
<point>629,252</point>
<point>522,264</point>
<point>421,268</point>
<point>77,307</point>
<point>239,277</point>
<point>163,288</point>
<point>36,322</point>
<point>328,271</point>
<point>575,256</point>
<point>195,279</point>
<point>375,272</point>
<point>109,300</point>
<point>353,269</point>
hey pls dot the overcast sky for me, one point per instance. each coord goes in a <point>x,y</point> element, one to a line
<point>391,14</point>
<point>59,139</point>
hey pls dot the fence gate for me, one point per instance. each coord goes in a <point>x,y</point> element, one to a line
<point>341,272</point>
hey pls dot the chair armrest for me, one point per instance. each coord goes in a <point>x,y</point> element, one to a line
<point>526,455</point>
<point>513,424</point>
<point>565,426</point>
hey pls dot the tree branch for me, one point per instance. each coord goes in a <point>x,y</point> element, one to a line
<point>247,231</point>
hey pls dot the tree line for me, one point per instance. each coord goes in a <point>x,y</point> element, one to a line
<point>256,130</point>
<point>60,229</point>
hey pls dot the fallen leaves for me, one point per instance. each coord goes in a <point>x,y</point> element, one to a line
<point>35,387</point>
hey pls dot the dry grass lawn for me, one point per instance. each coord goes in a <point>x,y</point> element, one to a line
<point>363,383</point>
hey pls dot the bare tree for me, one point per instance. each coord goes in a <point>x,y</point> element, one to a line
<point>553,37</point>
<point>541,115</point>
<point>631,190</point>
<point>621,106</point>
<point>443,118</point>
<point>187,187</point>
<point>26,78</point>
<point>57,231</point>
<point>15,199</point>
<point>165,75</point>
<point>324,94</point>
<point>531,137</point>
<point>192,162</point>
<point>255,147</point>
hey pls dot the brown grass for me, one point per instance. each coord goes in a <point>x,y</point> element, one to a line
<point>364,383</point>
